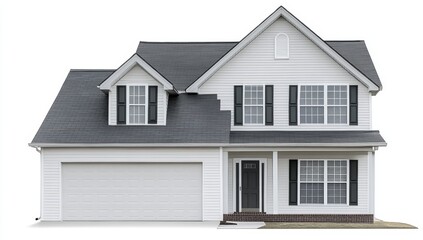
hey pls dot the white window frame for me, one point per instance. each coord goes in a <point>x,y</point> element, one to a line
<point>128,104</point>
<point>325,105</point>
<point>287,46</point>
<point>325,183</point>
<point>244,105</point>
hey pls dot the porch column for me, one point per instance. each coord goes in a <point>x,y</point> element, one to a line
<point>371,167</point>
<point>225,173</point>
<point>275,182</point>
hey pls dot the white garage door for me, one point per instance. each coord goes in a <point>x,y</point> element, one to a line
<point>131,191</point>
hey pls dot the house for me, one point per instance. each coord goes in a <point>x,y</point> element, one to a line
<point>276,127</point>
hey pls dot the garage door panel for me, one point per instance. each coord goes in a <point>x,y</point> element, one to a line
<point>132,191</point>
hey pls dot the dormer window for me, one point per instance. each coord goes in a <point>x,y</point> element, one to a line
<point>281,46</point>
<point>137,104</point>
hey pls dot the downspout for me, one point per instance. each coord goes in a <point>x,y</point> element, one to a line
<point>38,149</point>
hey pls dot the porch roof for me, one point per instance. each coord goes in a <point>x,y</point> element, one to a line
<point>309,138</point>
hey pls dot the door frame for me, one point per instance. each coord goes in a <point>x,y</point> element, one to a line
<point>262,185</point>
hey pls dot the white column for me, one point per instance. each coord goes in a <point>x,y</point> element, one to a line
<point>225,183</point>
<point>371,179</point>
<point>275,182</point>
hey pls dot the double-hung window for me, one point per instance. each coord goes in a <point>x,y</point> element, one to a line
<point>321,104</point>
<point>254,104</point>
<point>137,104</point>
<point>337,101</point>
<point>312,109</point>
<point>337,181</point>
<point>323,181</point>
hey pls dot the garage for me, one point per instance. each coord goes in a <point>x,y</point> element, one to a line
<point>132,191</point>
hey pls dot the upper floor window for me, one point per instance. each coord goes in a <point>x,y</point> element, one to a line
<point>312,107</point>
<point>137,105</point>
<point>337,104</point>
<point>253,104</point>
<point>281,46</point>
<point>323,104</point>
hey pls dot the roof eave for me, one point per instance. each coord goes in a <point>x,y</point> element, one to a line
<point>103,145</point>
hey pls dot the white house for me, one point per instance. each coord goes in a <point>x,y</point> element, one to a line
<point>275,127</point>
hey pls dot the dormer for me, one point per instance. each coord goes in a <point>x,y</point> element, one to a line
<point>138,94</point>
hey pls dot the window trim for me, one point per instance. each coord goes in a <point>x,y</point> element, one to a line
<point>244,105</point>
<point>325,183</point>
<point>287,46</point>
<point>325,105</point>
<point>128,86</point>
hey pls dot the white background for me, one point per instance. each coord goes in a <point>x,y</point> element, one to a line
<point>41,40</point>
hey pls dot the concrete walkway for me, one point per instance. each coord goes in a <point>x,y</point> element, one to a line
<point>242,225</point>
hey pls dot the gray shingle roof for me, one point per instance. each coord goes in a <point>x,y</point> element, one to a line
<point>300,137</point>
<point>183,62</point>
<point>357,54</point>
<point>79,115</point>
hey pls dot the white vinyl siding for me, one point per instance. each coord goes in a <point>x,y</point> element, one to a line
<point>307,65</point>
<point>138,76</point>
<point>52,159</point>
<point>364,197</point>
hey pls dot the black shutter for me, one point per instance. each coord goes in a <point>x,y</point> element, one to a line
<point>353,182</point>
<point>293,91</point>
<point>269,105</point>
<point>293,173</point>
<point>152,104</point>
<point>353,105</point>
<point>238,99</point>
<point>121,104</point>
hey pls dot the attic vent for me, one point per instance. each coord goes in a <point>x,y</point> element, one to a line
<point>281,46</point>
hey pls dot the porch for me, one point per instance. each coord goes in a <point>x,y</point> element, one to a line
<point>258,186</point>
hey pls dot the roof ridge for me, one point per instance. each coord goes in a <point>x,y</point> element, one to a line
<point>187,42</point>
<point>92,70</point>
<point>344,40</point>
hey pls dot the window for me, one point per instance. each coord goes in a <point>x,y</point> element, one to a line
<point>313,184</point>
<point>337,104</point>
<point>312,108</point>
<point>323,104</point>
<point>281,46</point>
<point>137,105</point>
<point>337,182</point>
<point>253,104</point>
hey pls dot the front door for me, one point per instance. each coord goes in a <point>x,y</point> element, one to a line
<point>250,186</point>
